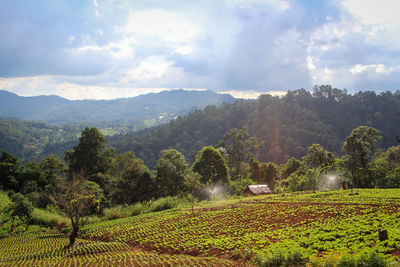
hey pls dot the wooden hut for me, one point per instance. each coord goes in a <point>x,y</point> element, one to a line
<point>254,190</point>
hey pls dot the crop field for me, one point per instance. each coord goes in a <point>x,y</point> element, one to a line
<point>49,250</point>
<point>315,229</point>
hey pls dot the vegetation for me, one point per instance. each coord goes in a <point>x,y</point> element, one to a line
<point>287,125</point>
<point>98,195</point>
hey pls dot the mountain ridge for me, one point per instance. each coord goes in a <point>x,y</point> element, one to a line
<point>145,110</point>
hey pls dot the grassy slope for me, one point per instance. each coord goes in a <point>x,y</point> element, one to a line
<point>307,228</point>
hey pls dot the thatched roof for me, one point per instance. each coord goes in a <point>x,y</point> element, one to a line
<point>257,189</point>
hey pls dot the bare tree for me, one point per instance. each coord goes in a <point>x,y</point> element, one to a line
<point>74,197</point>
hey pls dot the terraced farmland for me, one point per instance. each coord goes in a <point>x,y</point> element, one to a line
<point>300,229</point>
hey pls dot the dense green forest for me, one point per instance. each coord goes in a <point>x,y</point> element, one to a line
<point>288,125</point>
<point>32,140</point>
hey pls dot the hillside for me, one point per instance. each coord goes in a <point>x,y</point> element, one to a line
<point>30,140</point>
<point>292,230</point>
<point>141,111</point>
<point>287,125</point>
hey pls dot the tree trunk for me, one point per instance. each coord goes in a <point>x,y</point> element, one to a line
<point>74,234</point>
<point>12,228</point>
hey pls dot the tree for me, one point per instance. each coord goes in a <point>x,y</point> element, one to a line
<point>290,167</point>
<point>20,208</point>
<point>360,146</point>
<point>76,198</point>
<point>171,170</point>
<point>90,156</point>
<point>134,182</point>
<point>211,166</point>
<point>317,156</point>
<point>193,185</point>
<point>9,166</point>
<point>53,166</point>
<point>392,156</point>
<point>239,148</point>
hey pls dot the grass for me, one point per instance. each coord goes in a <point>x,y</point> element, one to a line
<point>124,211</point>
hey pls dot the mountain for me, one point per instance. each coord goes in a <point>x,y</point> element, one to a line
<point>142,111</point>
<point>288,125</point>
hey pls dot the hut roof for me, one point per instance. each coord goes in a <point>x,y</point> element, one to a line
<point>259,189</point>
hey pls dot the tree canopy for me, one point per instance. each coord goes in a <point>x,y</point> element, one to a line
<point>90,156</point>
<point>211,166</point>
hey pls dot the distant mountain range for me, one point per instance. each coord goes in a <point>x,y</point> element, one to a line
<point>142,111</point>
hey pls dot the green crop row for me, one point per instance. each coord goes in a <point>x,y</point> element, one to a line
<point>312,223</point>
<point>50,250</point>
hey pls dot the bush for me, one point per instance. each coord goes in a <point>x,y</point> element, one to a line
<point>282,257</point>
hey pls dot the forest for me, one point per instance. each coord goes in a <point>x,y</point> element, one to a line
<point>288,125</point>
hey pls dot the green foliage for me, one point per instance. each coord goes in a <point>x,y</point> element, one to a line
<point>360,147</point>
<point>20,209</point>
<point>48,218</point>
<point>211,166</point>
<point>238,148</point>
<point>134,182</point>
<point>392,156</point>
<point>51,250</point>
<point>291,230</point>
<point>90,156</point>
<point>290,167</point>
<point>76,197</point>
<point>30,140</point>
<point>171,171</point>
<point>288,125</point>
<point>317,156</point>
<point>237,186</point>
<point>282,256</point>
<point>124,211</point>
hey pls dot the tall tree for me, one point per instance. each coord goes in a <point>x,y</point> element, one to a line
<point>317,156</point>
<point>360,146</point>
<point>211,166</point>
<point>239,148</point>
<point>134,182</point>
<point>171,170</point>
<point>90,156</point>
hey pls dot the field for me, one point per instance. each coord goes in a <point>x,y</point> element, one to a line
<point>295,229</point>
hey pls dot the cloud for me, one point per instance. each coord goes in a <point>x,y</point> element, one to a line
<point>226,45</point>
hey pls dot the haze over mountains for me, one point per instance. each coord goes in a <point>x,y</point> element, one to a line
<point>144,110</point>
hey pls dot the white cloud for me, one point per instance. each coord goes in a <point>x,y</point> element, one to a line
<point>378,68</point>
<point>171,27</point>
<point>149,69</point>
<point>378,20</point>
<point>375,12</point>
<point>310,64</point>
<point>251,94</point>
<point>280,5</point>
<point>96,7</point>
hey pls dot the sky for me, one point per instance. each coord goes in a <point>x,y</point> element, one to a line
<point>105,49</point>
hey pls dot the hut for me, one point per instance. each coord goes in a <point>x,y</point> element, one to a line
<point>254,190</point>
